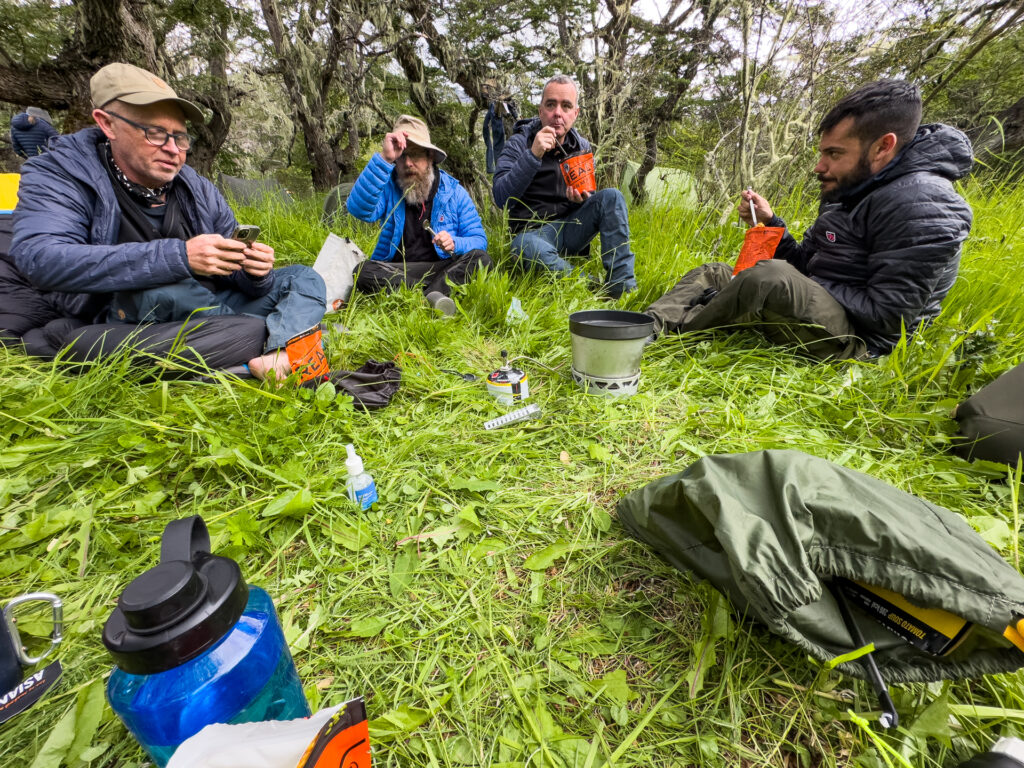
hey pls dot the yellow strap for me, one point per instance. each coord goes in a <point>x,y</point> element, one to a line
<point>1014,636</point>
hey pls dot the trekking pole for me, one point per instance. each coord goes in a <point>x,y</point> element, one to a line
<point>753,212</point>
<point>889,717</point>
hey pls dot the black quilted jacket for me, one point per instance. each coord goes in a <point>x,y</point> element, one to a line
<point>890,250</point>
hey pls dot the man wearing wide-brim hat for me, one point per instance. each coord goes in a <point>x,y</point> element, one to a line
<point>113,212</point>
<point>431,232</point>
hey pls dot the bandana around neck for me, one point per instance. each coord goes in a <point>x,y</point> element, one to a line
<point>145,194</point>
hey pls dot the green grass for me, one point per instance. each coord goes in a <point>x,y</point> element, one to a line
<point>491,608</point>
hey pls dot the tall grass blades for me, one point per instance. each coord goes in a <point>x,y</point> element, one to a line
<point>490,607</point>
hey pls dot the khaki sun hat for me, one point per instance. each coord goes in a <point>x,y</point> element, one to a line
<point>418,133</point>
<point>133,85</point>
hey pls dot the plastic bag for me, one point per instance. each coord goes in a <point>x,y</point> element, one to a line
<point>759,244</point>
<point>308,742</point>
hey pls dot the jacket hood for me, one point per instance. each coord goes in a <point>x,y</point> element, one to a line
<point>530,126</point>
<point>526,125</point>
<point>447,183</point>
<point>20,122</point>
<point>938,149</point>
<point>75,154</point>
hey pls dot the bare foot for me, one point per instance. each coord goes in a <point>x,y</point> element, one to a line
<point>276,362</point>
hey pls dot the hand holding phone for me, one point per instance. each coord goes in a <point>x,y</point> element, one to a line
<point>259,260</point>
<point>246,233</point>
<point>259,257</point>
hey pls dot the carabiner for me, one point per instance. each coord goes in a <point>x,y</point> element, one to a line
<point>12,625</point>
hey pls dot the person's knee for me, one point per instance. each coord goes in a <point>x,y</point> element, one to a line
<point>529,246</point>
<point>299,275</point>
<point>771,285</point>
<point>479,258</point>
<point>765,277</point>
<point>610,198</point>
<point>717,273</point>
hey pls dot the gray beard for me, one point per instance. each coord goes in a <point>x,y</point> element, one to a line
<point>417,192</point>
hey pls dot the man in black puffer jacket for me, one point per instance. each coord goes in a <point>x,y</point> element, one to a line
<point>879,259</point>
<point>550,220</point>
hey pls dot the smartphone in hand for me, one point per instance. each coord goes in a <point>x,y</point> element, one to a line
<point>246,233</point>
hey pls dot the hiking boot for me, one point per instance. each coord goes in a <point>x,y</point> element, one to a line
<point>617,290</point>
<point>442,303</point>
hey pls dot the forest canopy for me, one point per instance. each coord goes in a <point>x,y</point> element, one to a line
<point>731,92</point>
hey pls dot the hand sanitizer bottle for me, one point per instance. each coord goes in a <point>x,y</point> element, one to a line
<point>361,487</point>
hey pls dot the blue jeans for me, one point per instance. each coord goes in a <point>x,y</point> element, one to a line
<point>604,213</point>
<point>295,303</point>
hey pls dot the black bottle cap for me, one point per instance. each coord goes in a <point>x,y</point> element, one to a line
<point>178,608</point>
<point>1008,752</point>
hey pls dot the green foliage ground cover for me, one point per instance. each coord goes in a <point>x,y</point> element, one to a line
<point>491,608</point>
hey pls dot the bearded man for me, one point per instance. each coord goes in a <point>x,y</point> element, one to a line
<point>882,254</point>
<point>431,233</point>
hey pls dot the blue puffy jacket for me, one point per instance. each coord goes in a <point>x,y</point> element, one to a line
<point>377,198</point>
<point>67,221</point>
<point>30,139</point>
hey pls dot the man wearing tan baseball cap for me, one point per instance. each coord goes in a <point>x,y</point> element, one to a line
<point>431,232</point>
<point>133,85</point>
<point>115,212</point>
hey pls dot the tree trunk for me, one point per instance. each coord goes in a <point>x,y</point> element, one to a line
<point>306,100</point>
<point>1013,126</point>
<point>105,31</point>
<point>210,136</point>
<point>1007,136</point>
<point>51,86</point>
<point>447,126</point>
<point>638,184</point>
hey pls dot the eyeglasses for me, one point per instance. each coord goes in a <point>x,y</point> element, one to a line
<point>158,136</point>
<point>416,152</point>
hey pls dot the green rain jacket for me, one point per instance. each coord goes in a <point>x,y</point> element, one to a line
<point>769,529</point>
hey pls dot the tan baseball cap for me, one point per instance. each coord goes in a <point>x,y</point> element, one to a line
<point>133,85</point>
<point>417,132</point>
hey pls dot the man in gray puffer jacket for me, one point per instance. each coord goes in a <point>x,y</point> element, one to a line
<point>879,259</point>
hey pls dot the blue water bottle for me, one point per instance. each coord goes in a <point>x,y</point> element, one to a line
<point>195,645</point>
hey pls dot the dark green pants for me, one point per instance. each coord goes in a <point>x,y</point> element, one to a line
<point>773,296</point>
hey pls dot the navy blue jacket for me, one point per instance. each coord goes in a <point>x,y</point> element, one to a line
<point>890,249</point>
<point>377,198</point>
<point>67,221</point>
<point>29,139</point>
<point>533,190</point>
